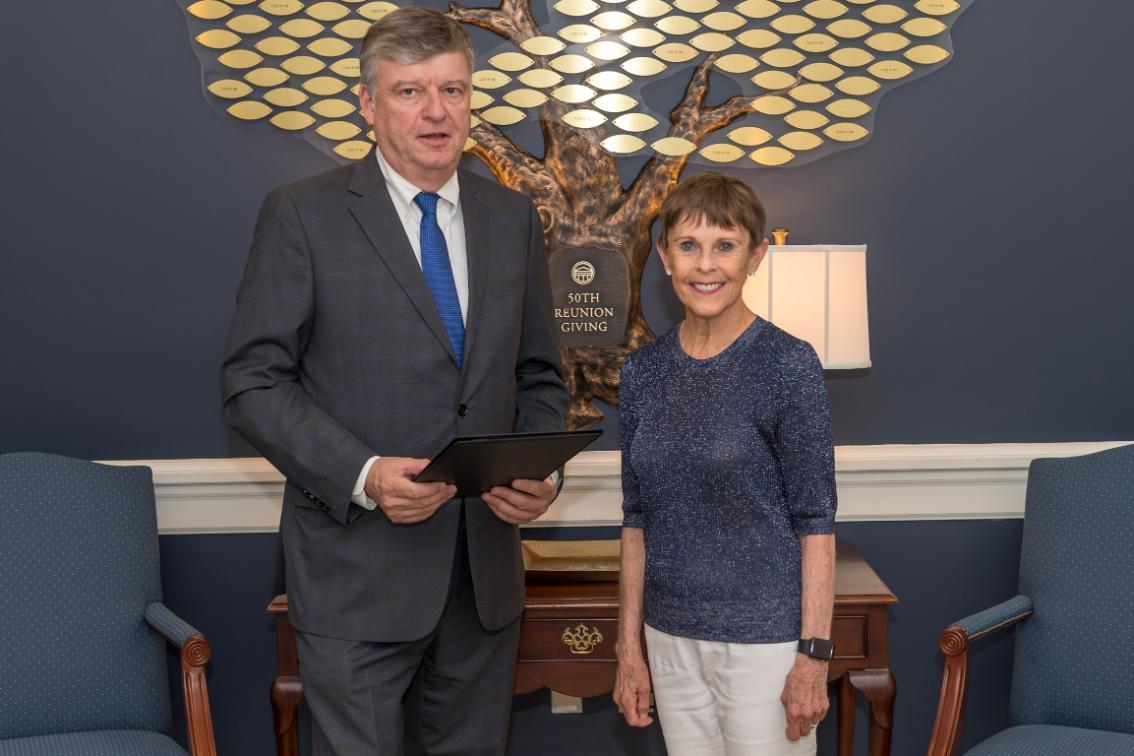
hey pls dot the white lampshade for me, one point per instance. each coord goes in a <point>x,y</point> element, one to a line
<point>817,293</point>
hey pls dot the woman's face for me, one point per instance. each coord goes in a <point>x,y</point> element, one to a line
<point>709,266</point>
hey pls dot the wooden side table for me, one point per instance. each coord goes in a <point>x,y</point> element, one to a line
<point>567,638</point>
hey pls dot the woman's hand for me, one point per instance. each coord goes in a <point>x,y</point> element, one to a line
<point>805,696</point>
<point>632,690</point>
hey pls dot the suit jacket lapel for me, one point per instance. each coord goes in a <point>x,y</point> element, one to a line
<point>374,211</point>
<point>478,250</point>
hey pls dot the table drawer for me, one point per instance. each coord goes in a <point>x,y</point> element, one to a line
<point>849,634</point>
<point>568,640</point>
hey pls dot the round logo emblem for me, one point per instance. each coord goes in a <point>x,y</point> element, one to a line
<point>583,272</point>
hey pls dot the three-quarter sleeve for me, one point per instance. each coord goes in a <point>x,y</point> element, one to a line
<point>804,444</point>
<point>627,426</point>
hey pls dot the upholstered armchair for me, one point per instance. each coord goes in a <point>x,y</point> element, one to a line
<point>1073,669</point>
<point>83,666</point>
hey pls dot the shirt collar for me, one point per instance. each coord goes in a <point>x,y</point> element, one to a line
<point>405,191</point>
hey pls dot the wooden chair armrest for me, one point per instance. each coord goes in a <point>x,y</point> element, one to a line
<point>195,654</point>
<point>954,644</point>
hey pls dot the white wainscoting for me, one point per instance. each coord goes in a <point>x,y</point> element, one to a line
<point>888,482</point>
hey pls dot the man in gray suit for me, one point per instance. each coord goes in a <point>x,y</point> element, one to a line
<point>387,307</point>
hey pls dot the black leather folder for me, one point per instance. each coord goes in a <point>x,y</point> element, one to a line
<point>477,463</point>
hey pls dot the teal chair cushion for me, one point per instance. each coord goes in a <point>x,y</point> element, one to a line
<point>1052,740</point>
<point>104,743</point>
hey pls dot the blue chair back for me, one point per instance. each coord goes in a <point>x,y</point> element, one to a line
<point>1074,662</point>
<point>78,564</point>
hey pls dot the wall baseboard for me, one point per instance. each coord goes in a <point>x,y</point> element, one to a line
<point>875,483</point>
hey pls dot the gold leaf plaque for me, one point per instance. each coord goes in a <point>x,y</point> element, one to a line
<point>330,47</point>
<point>857,86</point>
<point>643,66</point>
<point>771,156</point>
<point>712,42</point>
<point>848,108</point>
<point>792,24</point>
<point>352,29</point>
<point>721,153</point>
<point>673,146</point>
<point>635,122</point>
<point>678,25</point>
<point>675,52</point>
<point>355,150</point>
<point>724,21</point>
<point>749,136</point>
<point>540,78</point>
<point>573,94</point>
<point>572,64</point>
<point>848,28</point>
<point>542,45</point>
<point>511,61</point>
<point>248,110</point>
<point>811,93</point>
<point>926,54</point>
<point>469,144</point>
<point>490,79</point>
<point>607,50</point>
<point>613,21</point>
<point>334,108</point>
<point>614,103</point>
<point>800,141</point>
<point>816,42</point>
<point>327,11</point>
<point>845,132</point>
<point>584,118</point>
<point>280,7</point>
<point>696,6</point>
<point>525,98</point>
<point>210,10</point>
<point>923,27</point>
<point>248,24</point>
<point>503,115</point>
<point>478,100</point>
<point>758,8</point>
<point>303,65</point>
<point>736,63</point>
<point>285,97</point>
<point>642,37</point>
<point>885,13</point>
<point>825,9</point>
<point>887,41</point>
<point>806,119</point>
<point>782,57</point>
<point>266,77</point>
<point>622,144</point>
<point>821,72</point>
<point>277,46</point>
<point>347,68</point>
<point>579,33</point>
<point>648,8</point>
<point>576,7</point>
<point>337,131</point>
<point>772,105</point>
<point>375,11</point>
<point>773,80</point>
<point>851,57</point>
<point>324,86</point>
<point>759,38</point>
<point>292,120</point>
<point>229,89</point>
<point>218,39</point>
<point>239,59</point>
<point>890,70</point>
<point>301,28</point>
<point>608,81</point>
<point>936,7</point>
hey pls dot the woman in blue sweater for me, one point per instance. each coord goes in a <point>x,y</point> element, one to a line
<point>728,547</point>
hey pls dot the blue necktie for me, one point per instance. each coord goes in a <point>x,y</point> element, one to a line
<point>439,273</point>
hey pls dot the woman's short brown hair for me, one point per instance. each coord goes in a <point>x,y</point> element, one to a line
<point>717,200</point>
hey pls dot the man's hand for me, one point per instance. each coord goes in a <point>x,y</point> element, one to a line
<point>805,696</point>
<point>390,483</point>
<point>632,690</point>
<point>525,501</point>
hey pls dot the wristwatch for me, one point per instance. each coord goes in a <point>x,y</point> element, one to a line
<point>817,648</point>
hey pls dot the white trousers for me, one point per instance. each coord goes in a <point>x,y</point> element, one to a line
<point>722,699</point>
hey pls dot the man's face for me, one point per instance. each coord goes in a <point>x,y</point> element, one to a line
<point>420,116</point>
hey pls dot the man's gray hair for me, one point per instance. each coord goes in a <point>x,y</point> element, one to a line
<point>408,35</point>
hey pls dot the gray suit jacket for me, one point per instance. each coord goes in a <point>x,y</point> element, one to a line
<point>336,353</point>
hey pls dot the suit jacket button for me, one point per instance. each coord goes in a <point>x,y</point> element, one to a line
<point>463,410</point>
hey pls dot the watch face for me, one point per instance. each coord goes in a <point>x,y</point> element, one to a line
<point>817,648</point>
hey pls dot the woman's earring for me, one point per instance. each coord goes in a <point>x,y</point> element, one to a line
<point>668,272</point>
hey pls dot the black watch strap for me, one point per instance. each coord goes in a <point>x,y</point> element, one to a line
<point>817,648</point>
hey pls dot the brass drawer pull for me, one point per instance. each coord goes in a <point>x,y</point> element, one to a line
<point>583,639</point>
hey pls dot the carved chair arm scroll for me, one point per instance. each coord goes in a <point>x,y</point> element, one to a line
<point>195,654</point>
